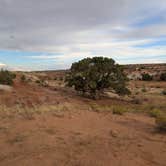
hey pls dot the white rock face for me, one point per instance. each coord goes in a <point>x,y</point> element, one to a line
<point>5,88</point>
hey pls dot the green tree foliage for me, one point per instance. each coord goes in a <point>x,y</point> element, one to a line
<point>93,75</point>
<point>147,77</point>
<point>6,77</point>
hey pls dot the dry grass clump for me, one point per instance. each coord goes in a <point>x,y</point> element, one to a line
<point>119,110</point>
<point>155,113</point>
<point>29,113</point>
<point>160,117</point>
<point>100,108</point>
<point>161,122</point>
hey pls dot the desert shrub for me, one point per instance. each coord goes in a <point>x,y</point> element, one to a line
<point>38,81</point>
<point>28,114</point>
<point>155,113</point>
<point>158,86</point>
<point>96,108</point>
<point>147,77</point>
<point>100,108</point>
<point>61,78</point>
<point>23,78</point>
<point>161,122</point>
<point>6,77</point>
<point>93,75</point>
<point>164,92</point>
<point>136,100</point>
<point>42,83</point>
<point>122,90</point>
<point>143,67</point>
<point>139,69</point>
<point>119,110</point>
<point>163,77</point>
<point>144,89</point>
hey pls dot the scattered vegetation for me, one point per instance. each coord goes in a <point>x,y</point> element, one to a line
<point>100,108</point>
<point>23,78</point>
<point>144,89</point>
<point>119,110</point>
<point>6,77</point>
<point>147,77</point>
<point>160,117</point>
<point>163,77</point>
<point>28,114</point>
<point>136,100</point>
<point>93,75</point>
<point>155,113</point>
<point>42,83</point>
<point>164,92</point>
<point>38,81</point>
<point>61,78</point>
<point>161,122</point>
<point>143,67</point>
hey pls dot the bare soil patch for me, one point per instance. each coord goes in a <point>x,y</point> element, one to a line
<point>54,126</point>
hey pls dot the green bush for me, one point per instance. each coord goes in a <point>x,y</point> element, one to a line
<point>122,90</point>
<point>6,77</point>
<point>38,81</point>
<point>147,77</point>
<point>163,77</point>
<point>93,75</point>
<point>161,122</point>
<point>23,78</point>
<point>164,92</point>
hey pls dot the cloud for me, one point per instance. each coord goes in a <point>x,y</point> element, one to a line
<point>2,65</point>
<point>75,29</point>
<point>46,25</point>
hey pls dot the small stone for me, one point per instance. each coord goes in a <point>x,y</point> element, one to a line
<point>114,133</point>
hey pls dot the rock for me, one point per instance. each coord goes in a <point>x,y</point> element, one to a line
<point>113,133</point>
<point>5,88</point>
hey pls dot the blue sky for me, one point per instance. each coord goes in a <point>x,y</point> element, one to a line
<point>47,35</point>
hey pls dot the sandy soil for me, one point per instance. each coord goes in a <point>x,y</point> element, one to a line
<point>81,138</point>
<point>75,136</point>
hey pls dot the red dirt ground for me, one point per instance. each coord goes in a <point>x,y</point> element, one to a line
<point>78,136</point>
<point>81,138</point>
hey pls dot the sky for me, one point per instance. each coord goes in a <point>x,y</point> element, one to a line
<point>52,34</point>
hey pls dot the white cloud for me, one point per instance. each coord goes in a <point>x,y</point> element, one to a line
<point>50,26</point>
<point>2,65</point>
<point>72,30</point>
<point>121,51</point>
